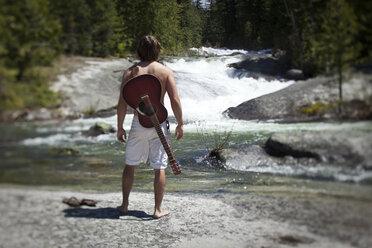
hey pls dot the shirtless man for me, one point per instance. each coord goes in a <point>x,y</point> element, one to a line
<point>144,142</point>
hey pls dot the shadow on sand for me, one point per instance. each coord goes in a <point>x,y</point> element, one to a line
<point>106,213</point>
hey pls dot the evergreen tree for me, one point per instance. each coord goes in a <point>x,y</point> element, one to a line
<point>191,24</point>
<point>337,47</point>
<point>363,10</point>
<point>137,20</point>
<point>104,21</point>
<point>30,34</point>
<point>214,32</point>
<point>166,24</point>
<point>74,17</point>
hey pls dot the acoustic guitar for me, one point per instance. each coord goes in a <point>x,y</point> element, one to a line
<point>143,93</point>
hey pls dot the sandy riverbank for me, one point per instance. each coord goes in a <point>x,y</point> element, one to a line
<point>36,217</point>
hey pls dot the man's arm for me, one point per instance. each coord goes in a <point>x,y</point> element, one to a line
<point>122,109</point>
<point>175,103</point>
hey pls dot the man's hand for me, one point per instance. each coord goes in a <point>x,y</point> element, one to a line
<point>122,135</point>
<point>179,132</point>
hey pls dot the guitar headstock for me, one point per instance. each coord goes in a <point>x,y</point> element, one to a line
<point>175,167</point>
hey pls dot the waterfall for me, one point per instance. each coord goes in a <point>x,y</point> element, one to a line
<point>207,87</point>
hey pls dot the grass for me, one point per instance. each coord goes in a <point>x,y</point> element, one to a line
<point>215,142</point>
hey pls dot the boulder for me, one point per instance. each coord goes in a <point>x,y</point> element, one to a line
<point>262,63</point>
<point>345,148</point>
<point>94,86</point>
<point>100,128</point>
<point>311,100</point>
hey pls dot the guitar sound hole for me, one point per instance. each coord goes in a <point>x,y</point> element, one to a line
<point>146,110</point>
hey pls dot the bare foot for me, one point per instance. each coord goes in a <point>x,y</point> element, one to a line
<point>160,213</point>
<point>122,209</point>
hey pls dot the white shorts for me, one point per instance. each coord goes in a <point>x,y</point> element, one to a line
<point>143,143</point>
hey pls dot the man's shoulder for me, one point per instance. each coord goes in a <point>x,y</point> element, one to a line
<point>161,66</point>
<point>165,70</point>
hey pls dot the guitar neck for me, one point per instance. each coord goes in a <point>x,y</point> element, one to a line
<point>159,131</point>
<point>161,135</point>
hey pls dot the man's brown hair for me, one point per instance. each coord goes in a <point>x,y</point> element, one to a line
<point>149,48</point>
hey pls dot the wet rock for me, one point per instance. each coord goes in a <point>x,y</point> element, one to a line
<point>346,148</point>
<point>64,151</point>
<point>294,74</point>
<point>100,128</point>
<point>262,63</point>
<point>216,153</point>
<point>16,115</point>
<point>42,114</point>
<point>311,100</point>
<point>294,240</point>
<point>249,156</point>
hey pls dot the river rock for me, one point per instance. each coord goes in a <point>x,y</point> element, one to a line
<point>254,157</point>
<point>294,74</point>
<point>262,63</point>
<point>345,148</point>
<point>42,114</point>
<point>100,128</point>
<point>64,151</point>
<point>311,100</point>
<point>249,156</point>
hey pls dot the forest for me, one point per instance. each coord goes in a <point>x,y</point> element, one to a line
<point>318,36</point>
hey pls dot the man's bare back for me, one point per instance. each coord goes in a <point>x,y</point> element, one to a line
<point>154,68</point>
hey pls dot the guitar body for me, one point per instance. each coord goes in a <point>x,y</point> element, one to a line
<point>140,86</point>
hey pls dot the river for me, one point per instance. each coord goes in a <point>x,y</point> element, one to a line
<point>206,87</point>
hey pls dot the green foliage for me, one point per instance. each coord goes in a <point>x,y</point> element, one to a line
<point>319,108</point>
<point>337,46</point>
<point>103,24</point>
<point>64,151</point>
<point>29,34</point>
<point>74,18</point>
<point>91,112</point>
<point>363,10</point>
<point>28,38</point>
<point>191,24</point>
<point>166,24</point>
<point>90,28</point>
<point>31,93</point>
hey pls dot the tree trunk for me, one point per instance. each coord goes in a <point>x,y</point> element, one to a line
<point>295,29</point>
<point>313,25</point>
<point>339,70</point>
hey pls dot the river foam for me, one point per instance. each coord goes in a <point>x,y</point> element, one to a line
<point>207,87</point>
